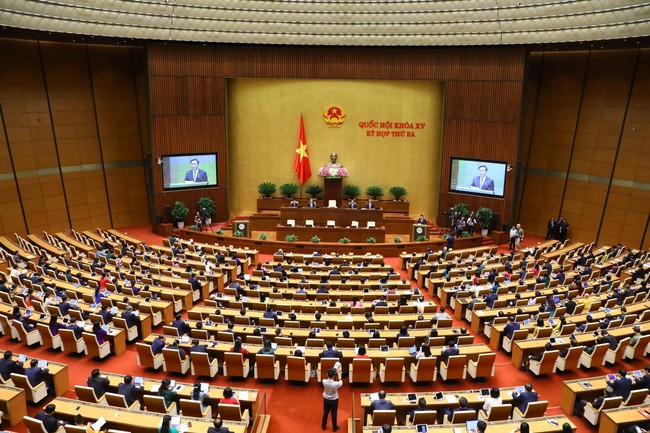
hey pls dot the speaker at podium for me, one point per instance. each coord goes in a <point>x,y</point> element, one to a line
<point>242,226</point>
<point>418,231</point>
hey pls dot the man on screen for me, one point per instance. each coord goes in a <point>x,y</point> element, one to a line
<point>482,181</point>
<point>196,175</point>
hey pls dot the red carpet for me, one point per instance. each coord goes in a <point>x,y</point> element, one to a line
<point>296,408</point>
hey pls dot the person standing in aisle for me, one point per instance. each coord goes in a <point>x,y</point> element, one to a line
<point>331,387</point>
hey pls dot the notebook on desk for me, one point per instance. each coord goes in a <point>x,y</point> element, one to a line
<point>138,380</point>
<point>472,426</point>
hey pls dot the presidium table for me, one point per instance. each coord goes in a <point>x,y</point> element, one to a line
<point>343,220</point>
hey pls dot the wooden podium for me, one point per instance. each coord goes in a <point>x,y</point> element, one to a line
<point>419,230</point>
<point>333,190</point>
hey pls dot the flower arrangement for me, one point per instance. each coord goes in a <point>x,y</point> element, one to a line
<point>421,238</point>
<point>333,172</point>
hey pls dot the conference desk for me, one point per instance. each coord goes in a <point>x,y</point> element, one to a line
<point>612,420</point>
<point>51,249</point>
<point>135,242</point>
<point>332,234</point>
<point>12,248</point>
<point>406,258</point>
<point>13,404</point>
<point>312,354</point>
<point>537,425</point>
<point>521,349</point>
<point>79,246</point>
<point>449,400</point>
<point>241,253</point>
<point>557,254</point>
<point>341,216</point>
<point>134,421</point>
<point>248,398</point>
<point>581,389</point>
<point>58,372</point>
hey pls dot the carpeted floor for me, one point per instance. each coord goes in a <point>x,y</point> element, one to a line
<point>295,408</point>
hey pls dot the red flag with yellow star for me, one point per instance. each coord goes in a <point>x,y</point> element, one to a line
<point>301,158</point>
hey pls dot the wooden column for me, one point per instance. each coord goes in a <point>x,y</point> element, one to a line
<point>333,190</point>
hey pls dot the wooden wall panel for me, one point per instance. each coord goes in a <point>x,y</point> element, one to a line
<point>55,119</point>
<point>590,141</point>
<point>482,98</point>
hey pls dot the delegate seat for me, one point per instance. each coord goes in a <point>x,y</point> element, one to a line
<point>146,358</point>
<point>235,365</point>
<point>483,366</point>
<point>498,412</point>
<point>381,417</point>
<point>36,426</point>
<point>392,371</point>
<point>154,403</point>
<point>297,369</point>
<point>454,368</point>
<point>71,343</point>
<point>637,351</point>
<point>542,332</point>
<point>7,327</point>
<point>86,393</point>
<point>93,347</point>
<point>202,366</point>
<point>546,364</point>
<point>424,370</point>
<point>536,409</point>
<point>595,358</point>
<point>195,409</point>
<point>52,341</point>
<point>361,371</point>
<point>233,412</point>
<point>496,321</point>
<point>636,397</point>
<point>593,415</point>
<point>174,363</point>
<point>613,356</point>
<point>519,334</point>
<point>30,338</point>
<point>323,366</point>
<point>131,333</point>
<point>34,394</point>
<point>118,400</point>
<point>461,416</point>
<point>428,417</point>
<point>266,367</point>
<point>571,360</point>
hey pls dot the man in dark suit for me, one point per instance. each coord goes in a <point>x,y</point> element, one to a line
<point>609,339</point>
<point>539,356</point>
<point>158,345</point>
<point>98,383</point>
<point>370,204</point>
<point>218,427</point>
<point>381,403</point>
<point>195,174</point>
<point>462,406</point>
<point>481,181</point>
<point>622,385</point>
<point>180,324</point>
<point>352,204</point>
<point>8,366</point>
<point>198,348</point>
<point>311,203</point>
<point>126,389</point>
<point>132,319</point>
<point>570,305</point>
<point>527,396</point>
<point>490,299</point>
<point>50,422</point>
<point>451,350</point>
<point>645,380</point>
<point>421,220</point>
<point>330,351</point>
<point>35,374</point>
<point>511,327</point>
<point>550,228</point>
<point>78,330</point>
<point>106,314</point>
<point>180,350</point>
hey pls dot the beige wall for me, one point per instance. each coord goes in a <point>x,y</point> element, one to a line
<point>263,117</point>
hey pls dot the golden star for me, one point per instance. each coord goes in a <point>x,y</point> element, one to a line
<point>302,150</point>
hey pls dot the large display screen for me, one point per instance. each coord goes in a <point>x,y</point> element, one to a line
<point>189,171</point>
<point>474,176</point>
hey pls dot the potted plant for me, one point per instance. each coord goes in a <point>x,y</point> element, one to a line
<point>461,210</point>
<point>315,239</point>
<point>351,191</point>
<point>266,189</point>
<point>263,236</point>
<point>206,209</point>
<point>288,190</point>
<point>179,213</point>
<point>484,218</point>
<point>375,192</point>
<point>397,240</point>
<point>291,238</point>
<point>398,192</point>
<point>344,241</point>
<point>314,190</point>
<point>371,240</point>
